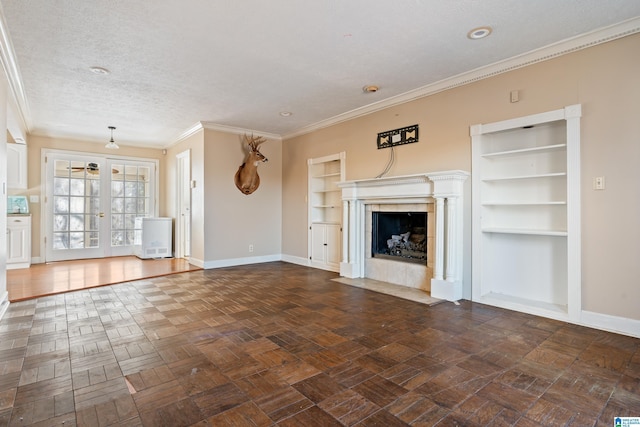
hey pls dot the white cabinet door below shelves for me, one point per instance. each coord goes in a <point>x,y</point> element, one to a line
<point>318,243</point>
<point>18,242</point>
<point>333,245</point>
<point>325,246</point>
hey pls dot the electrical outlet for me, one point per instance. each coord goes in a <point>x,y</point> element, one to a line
<point>250,248</point>
<point>598,183</point>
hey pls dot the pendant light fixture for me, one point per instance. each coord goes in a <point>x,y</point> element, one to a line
<point>112,145</point>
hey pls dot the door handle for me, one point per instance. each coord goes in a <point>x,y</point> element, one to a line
<point>101,214</point>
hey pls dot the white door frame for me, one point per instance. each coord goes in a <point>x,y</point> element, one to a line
<point>183,211</point>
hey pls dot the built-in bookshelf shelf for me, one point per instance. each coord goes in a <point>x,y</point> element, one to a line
<point>522,151</point>
<point>518,177</point>
<point>327,175</point>
<point>562,233</point>
<point>495,203</point>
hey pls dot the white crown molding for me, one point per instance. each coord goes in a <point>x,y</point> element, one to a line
<point>12,71</point>
<point>238,131</point>
<point>70,137</point>
<point>186,134</point>
<point>551,51</point>
<point>220,128</point>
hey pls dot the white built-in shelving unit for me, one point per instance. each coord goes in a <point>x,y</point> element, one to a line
<point>325,210</point>
<point>526,213</point>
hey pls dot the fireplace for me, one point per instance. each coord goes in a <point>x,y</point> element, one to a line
<point>439,197</point>
<point>397,269</point>
<point>399,236</point>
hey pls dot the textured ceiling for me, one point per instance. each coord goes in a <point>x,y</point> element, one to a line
<point>240,63</point>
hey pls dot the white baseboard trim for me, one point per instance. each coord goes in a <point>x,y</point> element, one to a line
<point>18,265</point>
<point>606,322</point>
<point>196,262</point>
<point>36,260</point>
<point>296,260</point>
<point>4,304</point>
<point>232,262</point>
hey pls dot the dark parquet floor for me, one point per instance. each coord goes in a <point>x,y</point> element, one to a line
<point>280,344</point>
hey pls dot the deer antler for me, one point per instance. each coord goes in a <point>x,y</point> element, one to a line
<point>254,141</point>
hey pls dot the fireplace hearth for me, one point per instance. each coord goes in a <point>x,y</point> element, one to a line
<point>399,236</point>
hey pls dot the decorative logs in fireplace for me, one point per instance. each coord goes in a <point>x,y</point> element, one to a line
<point>400,236</point>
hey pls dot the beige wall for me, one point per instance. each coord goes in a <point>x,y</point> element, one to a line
<point>224,220</point>
<point>605,79</point>
<point>34,149</point>
<point>235,220</point>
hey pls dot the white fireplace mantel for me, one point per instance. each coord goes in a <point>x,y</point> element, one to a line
<point>444,188</point>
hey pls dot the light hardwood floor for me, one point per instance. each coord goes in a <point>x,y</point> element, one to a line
<point>64,276</point>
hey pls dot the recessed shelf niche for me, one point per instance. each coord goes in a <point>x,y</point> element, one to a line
<point>526,213</point>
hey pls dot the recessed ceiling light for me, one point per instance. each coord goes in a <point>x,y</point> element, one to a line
<point>370,89</point>
<point>99,70</point>
<point>479,33</point>
<point>286,113</point>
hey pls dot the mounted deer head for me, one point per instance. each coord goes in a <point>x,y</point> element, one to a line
<point>247,179</point>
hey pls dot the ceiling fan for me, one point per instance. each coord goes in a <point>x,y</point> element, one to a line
<point>91,168</point>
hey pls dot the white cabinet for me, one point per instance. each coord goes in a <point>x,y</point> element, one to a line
<point>526,213</point>
<point>17,166</point>
<point>18,241</point>
<point>325,248</point>
<point>325,210</point>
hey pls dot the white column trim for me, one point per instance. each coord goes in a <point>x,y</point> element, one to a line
<point>452,233</point>
<point>438,267</point>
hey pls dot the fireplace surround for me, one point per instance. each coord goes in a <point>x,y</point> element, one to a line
<point>440,194</point>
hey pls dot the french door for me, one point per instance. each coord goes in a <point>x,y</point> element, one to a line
<point>91,204</point>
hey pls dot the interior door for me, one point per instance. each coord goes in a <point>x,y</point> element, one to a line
<point>76,226</point>
<point>183,223</point>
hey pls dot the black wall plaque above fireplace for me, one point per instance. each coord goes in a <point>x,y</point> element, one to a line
<point>400,236</point>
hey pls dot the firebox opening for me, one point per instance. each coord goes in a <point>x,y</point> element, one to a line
<point>400,236</point>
